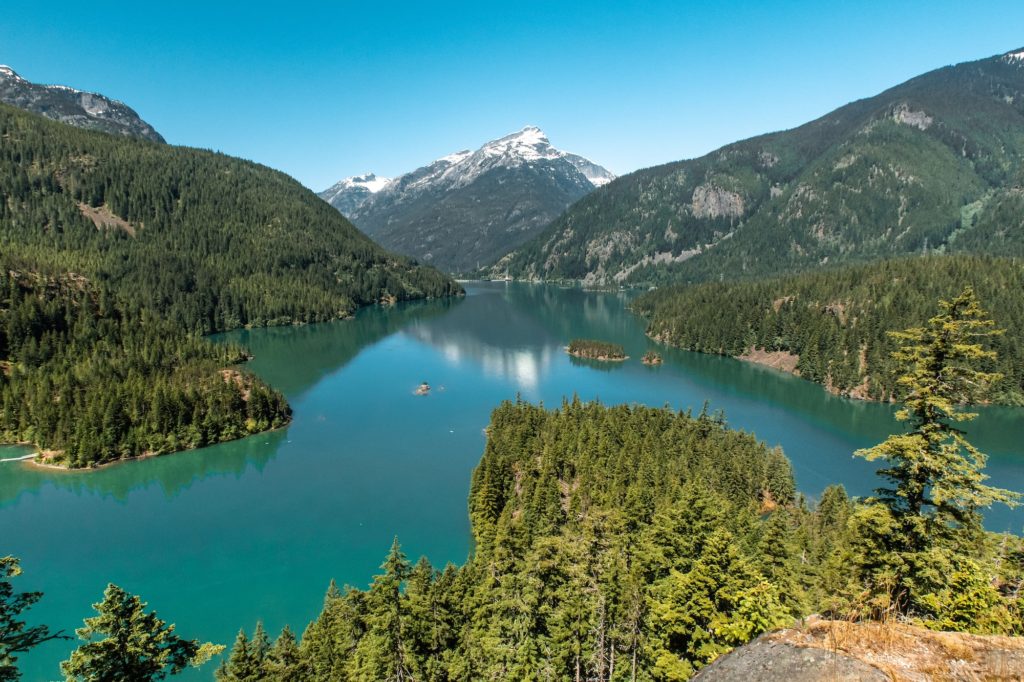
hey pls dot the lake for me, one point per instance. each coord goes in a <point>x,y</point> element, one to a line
<point>217,538</point>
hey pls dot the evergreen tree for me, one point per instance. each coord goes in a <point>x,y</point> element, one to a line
<point>16,637</point>
<point>124,643</point>
<point>935,474</point>
<point>720,603</point>
<point>284,662</point>
<point>259,645</point>
<point>242,665</point>
<point>329,643</point>
<point>383,653</point>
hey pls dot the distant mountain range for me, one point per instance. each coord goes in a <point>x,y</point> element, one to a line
<point>469,208</point>
<point>933,164</point>
<point>74,107</point>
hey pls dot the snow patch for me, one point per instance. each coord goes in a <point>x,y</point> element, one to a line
<point>8,72</point>
<point>1014,57</point>
<point>457,157</point>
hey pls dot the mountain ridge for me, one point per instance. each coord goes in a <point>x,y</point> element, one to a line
<point>79,108</point>
<point>931,163</point>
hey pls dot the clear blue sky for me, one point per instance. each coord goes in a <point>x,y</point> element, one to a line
<point>326,90</point>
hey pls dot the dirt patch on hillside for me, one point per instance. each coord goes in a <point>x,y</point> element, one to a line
<point>776,359</point>
<point>105,219</point>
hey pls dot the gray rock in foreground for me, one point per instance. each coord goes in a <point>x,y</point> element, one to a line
<point>766,661</point>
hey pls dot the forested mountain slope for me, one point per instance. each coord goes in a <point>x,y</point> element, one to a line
<point>833,322</point>
<point>117,252</point>
<point>931,164</point>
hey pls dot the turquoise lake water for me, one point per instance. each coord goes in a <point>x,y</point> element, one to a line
<point>217,538</point>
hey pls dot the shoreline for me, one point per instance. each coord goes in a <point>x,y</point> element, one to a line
<point>37,459</point>
<point>784,362</point>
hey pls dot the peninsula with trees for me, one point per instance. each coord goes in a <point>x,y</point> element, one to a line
<point>118,254</point>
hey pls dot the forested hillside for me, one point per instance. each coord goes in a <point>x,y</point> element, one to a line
<point>117,253</point>
<point>931,164</point>
<point>835,321</point>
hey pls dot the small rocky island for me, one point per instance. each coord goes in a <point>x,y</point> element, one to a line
<point>596,350</point>
<point>423,389</point>
<point>651,358</point>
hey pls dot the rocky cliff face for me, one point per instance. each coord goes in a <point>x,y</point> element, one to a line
<point>466,209</point>
<point>74,107</point>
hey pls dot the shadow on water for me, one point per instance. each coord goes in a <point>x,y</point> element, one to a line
<point>170,473</point>
<point>599,365</point>
<point>293,359</point>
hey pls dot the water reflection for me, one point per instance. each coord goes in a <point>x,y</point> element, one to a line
<point>171,474</point>
<point>292,359</point>
<point>497,332</point>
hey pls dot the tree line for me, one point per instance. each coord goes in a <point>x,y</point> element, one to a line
<point>836,320</point>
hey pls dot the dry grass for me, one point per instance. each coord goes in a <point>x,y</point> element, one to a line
<point>777,359</point>
<point>912,654</point>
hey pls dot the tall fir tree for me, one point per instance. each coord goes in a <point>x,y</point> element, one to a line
<point>124,643</point>
<point>936,483</point>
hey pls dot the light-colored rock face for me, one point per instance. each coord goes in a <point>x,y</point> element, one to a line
<point>711,201</point>
<point>73,107</point>
<point>918,119</point>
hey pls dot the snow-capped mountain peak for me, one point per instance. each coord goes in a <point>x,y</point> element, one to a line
<point>470,207</point>
<point>529,144</point>
<point>345,195</point>
<point>368,180</point>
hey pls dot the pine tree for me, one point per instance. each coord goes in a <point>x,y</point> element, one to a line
<point>284,662</point>
<point>124,643</point>
<point>720,603</point>
<point>259,645</point>
<point>15,636</point>
<point>383,654</point>
<point>936,483</point>
<point>241,665</point>
<point>329,643</point>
